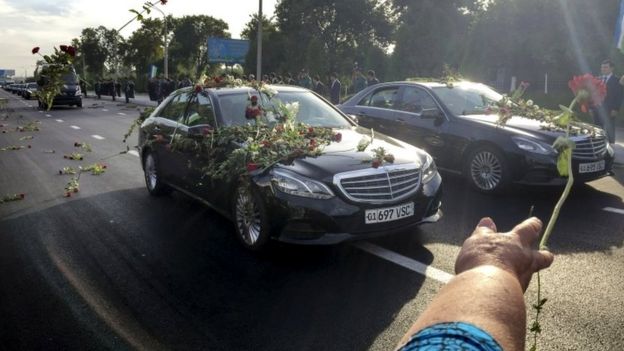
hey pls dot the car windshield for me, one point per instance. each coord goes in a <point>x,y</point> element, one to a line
<point>32,85</point>
<point>467,98</point>
<point>312,110</point>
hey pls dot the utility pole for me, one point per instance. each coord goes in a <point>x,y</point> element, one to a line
<point>259,56</point>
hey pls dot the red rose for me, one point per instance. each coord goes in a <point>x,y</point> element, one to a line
<point>71,51</point>
<point>22,196</point>
<point>266,143</point>
<point>198,88</point>
<point>313,143</point>
<point>63,48</point>
<point>589,90</point>
<point>68,194</point>
<point>338,137</point>
<point>252,167</point>
<point>35,50</point>
<point>376,163</point>
<point>310,130</point>
<point>163,2</point>
<point>206,131</point>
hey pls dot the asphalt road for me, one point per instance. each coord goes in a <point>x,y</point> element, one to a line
<point>113,268</point>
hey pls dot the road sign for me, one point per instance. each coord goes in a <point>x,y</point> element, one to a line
<point>227,51</point>
<point>7,72</point>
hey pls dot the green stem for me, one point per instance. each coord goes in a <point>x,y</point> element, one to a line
<point>537,310</point>
<point>564,196</point>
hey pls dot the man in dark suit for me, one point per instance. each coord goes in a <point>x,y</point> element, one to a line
<point>605,114</point>
<point>334,89</point>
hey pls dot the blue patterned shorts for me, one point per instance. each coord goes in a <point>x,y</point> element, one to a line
<point>452,336</point>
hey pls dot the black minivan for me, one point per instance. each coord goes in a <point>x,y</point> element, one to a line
<point>331,198</point>
<point>71,94</point>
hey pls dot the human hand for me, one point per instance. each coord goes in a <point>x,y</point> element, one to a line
<point>510,251</point>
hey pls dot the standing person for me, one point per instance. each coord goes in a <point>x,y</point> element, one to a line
<point>129,89</point>
<point>305,80</point>
<point>319,87</point>
<point>117,87</point>
<point>98,88</point>
<point>358,81</point>
<point>604,115</point>
<point>371,79</point>
<point>289,79</point>
<point>334,89</point>
<point>482,307</point>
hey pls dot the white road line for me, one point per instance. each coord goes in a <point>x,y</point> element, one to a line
<point>405,262</point>
<point>104,110</point>
<point>48,115</point>
<point>40,111</point>
<point>74,127</point>
<point>59,120</point>
<point>133,153</point>
<point>98,137</point>
<point>121,113</point>
<point>614,210</point>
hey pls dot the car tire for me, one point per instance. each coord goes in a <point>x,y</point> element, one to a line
<point>153,181</point>
<point>250,219</point>
<point>486,170</point>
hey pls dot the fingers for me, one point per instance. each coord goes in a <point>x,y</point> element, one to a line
<point>528,231</point>
<point>542,259</point>
<point>487,222</point>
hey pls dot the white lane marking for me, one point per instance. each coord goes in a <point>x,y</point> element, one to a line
<point>133,153</point>
<point>104,110</point>
<point>98,137</point>
<point>121,113</point>
<point>40,111</point>
<point>613,210</point>
<point>59,120</point>
<point>48,115</point>
<point>405,262</point>
<point>74,127</point>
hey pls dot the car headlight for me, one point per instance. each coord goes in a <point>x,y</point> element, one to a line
<point>293,184</point>
<point>610,150</point>
<point>533,146</point>
<point>429,170</point>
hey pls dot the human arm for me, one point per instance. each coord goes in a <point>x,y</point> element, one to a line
<point>493,271</point>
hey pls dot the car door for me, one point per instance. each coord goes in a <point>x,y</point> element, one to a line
<point>375,110</point>
<point>421,122</point>
<point>167,124</point>
<point>200,123</point>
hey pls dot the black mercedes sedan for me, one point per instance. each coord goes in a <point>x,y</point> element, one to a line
<point>451,123</point>
<point>327,199</point>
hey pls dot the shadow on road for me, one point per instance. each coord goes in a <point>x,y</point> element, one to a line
<point>168,274</point>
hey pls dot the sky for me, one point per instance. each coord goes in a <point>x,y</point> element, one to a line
<point>25,24</point>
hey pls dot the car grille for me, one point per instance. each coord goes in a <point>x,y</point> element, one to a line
<point>380,185</point>
<point>589,147</point>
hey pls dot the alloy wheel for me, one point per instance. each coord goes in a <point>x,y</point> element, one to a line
<point>486,170</point>
<point>151,175</point>
<point>248,218</point>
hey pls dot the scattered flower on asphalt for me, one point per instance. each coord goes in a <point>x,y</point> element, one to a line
<point>27,137</point>
<point>14,148</point>
<point>12,197</point>
<point>84,146</point>
<point>74,156</point>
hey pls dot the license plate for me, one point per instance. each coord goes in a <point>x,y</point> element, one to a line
<point>389,214</point>
<point>592,167</point>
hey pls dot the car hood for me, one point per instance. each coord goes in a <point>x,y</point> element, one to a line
<point>343,156</point>
<point>529,127</point>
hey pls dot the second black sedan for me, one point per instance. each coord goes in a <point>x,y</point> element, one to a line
<point>451,123</point>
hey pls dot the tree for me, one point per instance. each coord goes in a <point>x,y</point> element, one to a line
<point>273,53</point>
<point>188,47</point>
<point>144,48</point>
<point>431,34</point>
<point>326,35</point>
<point>102,50</point>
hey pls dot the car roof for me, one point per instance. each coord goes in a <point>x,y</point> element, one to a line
<point>244,89</point>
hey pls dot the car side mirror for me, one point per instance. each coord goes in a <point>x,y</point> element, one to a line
<point>200,131</point>
<point>353,118</point>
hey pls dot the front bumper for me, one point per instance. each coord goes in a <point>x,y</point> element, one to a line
<point>541,170</point>
<point>301,220</point>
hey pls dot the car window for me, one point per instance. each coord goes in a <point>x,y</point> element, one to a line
<point>415,100</point>
<point>200,111</point>
<point>467,98</point>
<point>382,98</point>
<point>312,110</point>
<point>176,107</point>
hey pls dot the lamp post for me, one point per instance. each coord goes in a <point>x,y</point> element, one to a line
<point>259,54</point>
<point>166,46</point>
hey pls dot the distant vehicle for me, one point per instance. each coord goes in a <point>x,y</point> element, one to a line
<point>328,199</point>
<point>30,91</point>
<point>451,124</point>
<point>70,95</point>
